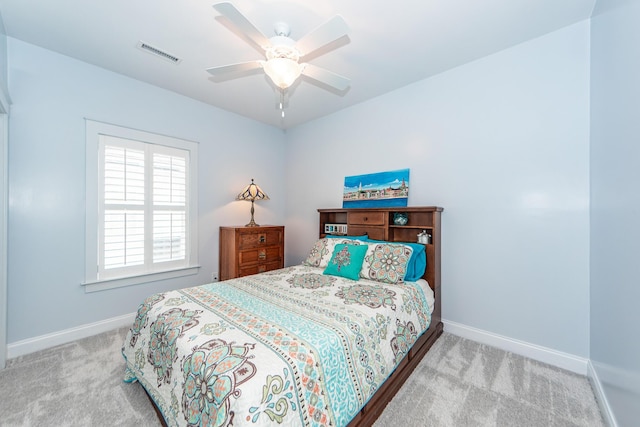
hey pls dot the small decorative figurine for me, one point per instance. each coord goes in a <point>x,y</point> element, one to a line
<point>400,218</point>
<point>424,237</point>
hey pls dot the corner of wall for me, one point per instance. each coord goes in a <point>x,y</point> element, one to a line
<point>601,397</point>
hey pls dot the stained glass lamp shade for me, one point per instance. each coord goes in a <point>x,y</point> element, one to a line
<point>251,193</point>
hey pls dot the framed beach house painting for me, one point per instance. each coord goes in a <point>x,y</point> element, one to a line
<point>376,190</point>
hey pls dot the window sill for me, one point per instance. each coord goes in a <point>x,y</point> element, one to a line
<point>103,285</point>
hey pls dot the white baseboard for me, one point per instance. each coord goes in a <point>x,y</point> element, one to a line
<point>601,397</point>
<point>562,360</point>
<point>20,348</point>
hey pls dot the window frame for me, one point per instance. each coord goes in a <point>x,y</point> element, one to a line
<point>93,282</point>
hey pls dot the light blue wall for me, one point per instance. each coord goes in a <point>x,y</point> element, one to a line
<point>4,108</point>
<point>52,94</point>
<point>615,205</point>
<point>503,145</point>
<point>3,61</point>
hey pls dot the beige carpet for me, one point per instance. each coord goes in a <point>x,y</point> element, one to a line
<point>459,383</point>
<point>464,383</point>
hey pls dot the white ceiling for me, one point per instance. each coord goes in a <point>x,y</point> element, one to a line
<point>391,44</point>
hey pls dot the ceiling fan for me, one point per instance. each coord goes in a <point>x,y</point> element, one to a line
<point>284,57</point>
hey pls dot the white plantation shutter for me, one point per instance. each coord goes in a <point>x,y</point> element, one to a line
<point>144,224</point>
<point>169,236</point>
<point>123,238</point>
<point>169,207</point>
<point>123,217</point>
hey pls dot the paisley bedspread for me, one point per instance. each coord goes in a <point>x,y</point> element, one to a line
<point>290,347</point>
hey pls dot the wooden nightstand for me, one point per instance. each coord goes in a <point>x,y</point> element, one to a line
<point>250,250</point>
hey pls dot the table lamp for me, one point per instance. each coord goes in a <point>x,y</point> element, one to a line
<point>251,193</point>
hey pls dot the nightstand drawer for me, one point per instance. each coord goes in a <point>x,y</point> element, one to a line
<point>260,255</point>
<point>259,239</point>
<point>366,218</point>
<point>259,268</point>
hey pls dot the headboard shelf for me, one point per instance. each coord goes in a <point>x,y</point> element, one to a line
<point>378,223</point>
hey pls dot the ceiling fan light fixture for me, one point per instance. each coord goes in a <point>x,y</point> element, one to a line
<point>282,64</point>
<point>283,72</point>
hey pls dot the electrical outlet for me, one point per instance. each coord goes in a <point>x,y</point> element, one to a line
<point>214,276</point>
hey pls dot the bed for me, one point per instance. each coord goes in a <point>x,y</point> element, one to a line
<point>324,343</point>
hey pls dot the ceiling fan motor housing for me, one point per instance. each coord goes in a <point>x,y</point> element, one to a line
<point>282,47</point>
<point>282,29</point>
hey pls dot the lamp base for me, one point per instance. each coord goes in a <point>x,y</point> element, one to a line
<point>252,223</point>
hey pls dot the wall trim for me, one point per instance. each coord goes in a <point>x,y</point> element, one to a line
<point>556,358</point>
<point>601,397</point>
<point>43,342</point>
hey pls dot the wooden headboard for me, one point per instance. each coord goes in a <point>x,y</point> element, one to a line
<point>378,224</point>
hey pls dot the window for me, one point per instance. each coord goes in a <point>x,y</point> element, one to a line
<point>141,217</point>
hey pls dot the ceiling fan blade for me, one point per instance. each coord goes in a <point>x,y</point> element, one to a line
<point>325,34</point>
<point>326,77</point>
<point>235,70</point>
<point>238,20</point>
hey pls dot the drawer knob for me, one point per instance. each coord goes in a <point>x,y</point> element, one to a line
<point>262,255</point>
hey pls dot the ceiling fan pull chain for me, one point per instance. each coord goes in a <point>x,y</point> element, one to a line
<point>282,102</point>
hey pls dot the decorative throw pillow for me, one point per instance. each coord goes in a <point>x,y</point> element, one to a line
<point>386,262</point>
<point>318,250</point>
<point>418,262</point>
<point>331,244</point>
<point>346,261</point>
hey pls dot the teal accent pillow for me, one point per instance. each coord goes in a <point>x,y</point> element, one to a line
<point>346,261</point>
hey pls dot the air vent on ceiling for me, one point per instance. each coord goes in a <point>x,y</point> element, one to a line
<point>155,51</point>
